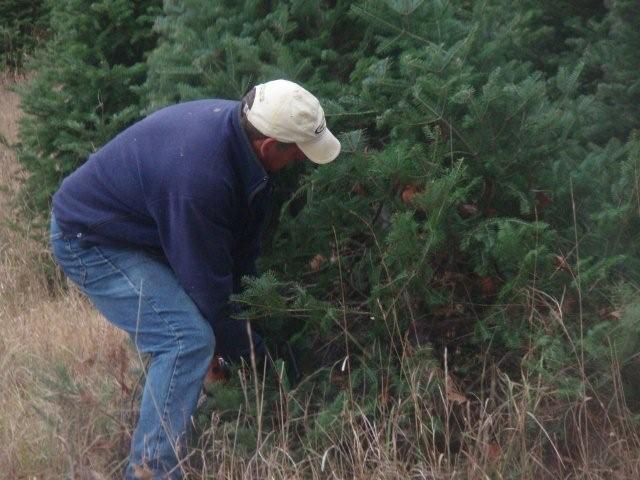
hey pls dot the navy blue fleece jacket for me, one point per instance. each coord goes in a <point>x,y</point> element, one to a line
<point>183,181</point>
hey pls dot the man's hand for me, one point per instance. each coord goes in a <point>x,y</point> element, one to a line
<point>219,371</point>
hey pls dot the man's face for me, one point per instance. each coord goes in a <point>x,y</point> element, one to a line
<point>275,155</point>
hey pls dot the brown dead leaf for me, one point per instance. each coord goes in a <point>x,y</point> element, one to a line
<point>453,394</point>
<point>316,262</point>
<point>408,192</point>
<point>561,262</point>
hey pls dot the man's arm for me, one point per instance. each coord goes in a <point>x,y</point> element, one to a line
<point>197,240</point>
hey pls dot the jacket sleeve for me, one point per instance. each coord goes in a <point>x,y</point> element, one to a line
<point>197,240</point>
<point>248,248</point>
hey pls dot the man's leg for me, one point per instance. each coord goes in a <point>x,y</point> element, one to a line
<point>139,293</point>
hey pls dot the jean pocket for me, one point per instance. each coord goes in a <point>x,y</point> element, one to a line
<point>69,261</point>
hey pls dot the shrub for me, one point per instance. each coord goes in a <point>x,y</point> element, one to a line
<point>23,25</point>
<point>82,92</point>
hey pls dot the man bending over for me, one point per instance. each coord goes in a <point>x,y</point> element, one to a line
<point>158,227</point>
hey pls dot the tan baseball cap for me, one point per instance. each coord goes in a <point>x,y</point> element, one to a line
<point>285,111</point>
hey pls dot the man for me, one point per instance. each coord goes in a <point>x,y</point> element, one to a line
<point>159,226</point>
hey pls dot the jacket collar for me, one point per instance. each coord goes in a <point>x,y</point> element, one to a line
<point>251,172</point>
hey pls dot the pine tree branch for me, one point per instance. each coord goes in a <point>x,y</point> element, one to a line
<point>419,263</point>
<point>472,150</point>
<point>351,113</point>
<point>364,13</point>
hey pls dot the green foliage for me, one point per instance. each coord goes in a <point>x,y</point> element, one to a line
<point>470,161</point>
<point>221,48</point>
<point>516,249</point>
<point>617,54</point>
<point>82,93</point>
<point>23,25</point>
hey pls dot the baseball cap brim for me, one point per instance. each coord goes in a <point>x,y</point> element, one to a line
<point>321,150</point>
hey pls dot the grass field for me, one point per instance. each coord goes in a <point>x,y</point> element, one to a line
<point>61,407</point>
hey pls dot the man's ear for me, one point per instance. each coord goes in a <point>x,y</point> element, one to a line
<point>268,148</point>
<point>256,144</point>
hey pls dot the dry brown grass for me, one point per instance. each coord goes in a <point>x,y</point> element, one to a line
<point>58,394</point>
<point>520,431</point>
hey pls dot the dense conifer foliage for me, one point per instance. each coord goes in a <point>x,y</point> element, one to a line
<point>23,24</point>
<point>484,213</point>
<point>82,93</point>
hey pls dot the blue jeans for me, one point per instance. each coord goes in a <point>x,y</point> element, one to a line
<point>139,293</point>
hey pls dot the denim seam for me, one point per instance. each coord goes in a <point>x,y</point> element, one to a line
<point>177,337</point>
<point>83,268</point>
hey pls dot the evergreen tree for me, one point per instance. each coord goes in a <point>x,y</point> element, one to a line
<point>82,92</point>
<point>618,53</point>
<point>464,134</point>
<point>23,24</point>
<point>221,48</point>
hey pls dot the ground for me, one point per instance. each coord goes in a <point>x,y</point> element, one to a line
<point>62,366</point>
